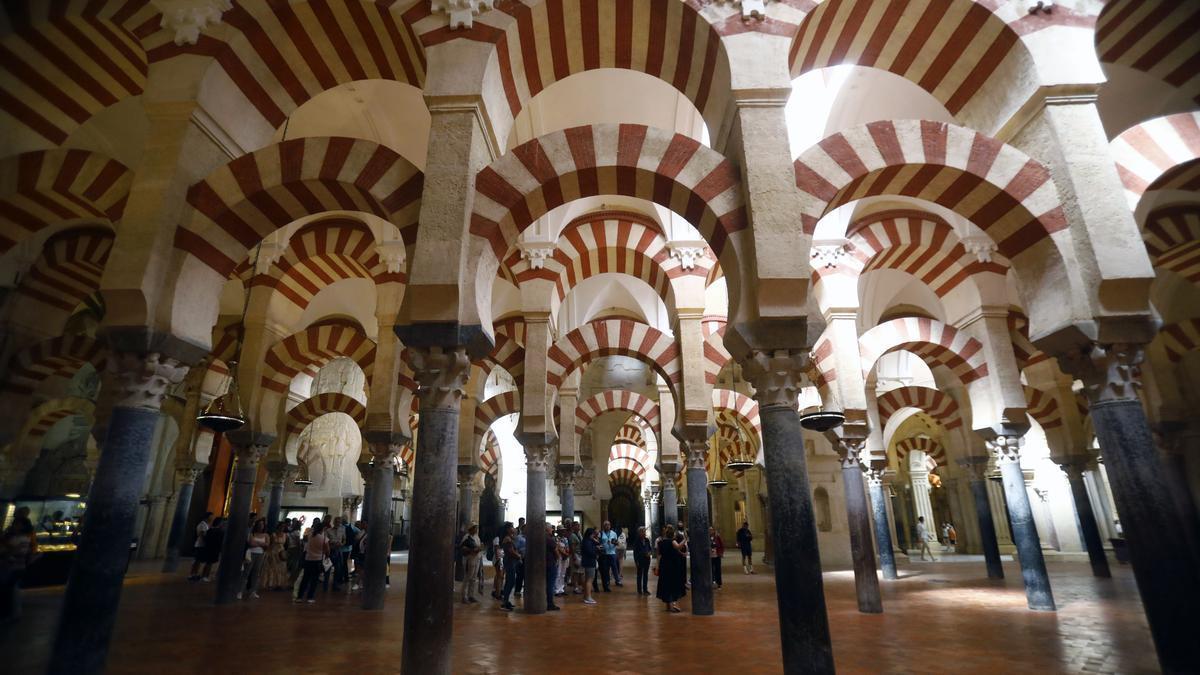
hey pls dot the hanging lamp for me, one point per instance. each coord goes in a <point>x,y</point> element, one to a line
<point>718,480</point>
<point>822,420</point>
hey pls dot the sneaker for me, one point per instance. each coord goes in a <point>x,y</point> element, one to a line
<point>254,595</point>
<point>239,595</point>
<point>311,601</point>
<point>205,579</point>
<point>589,601</point>
<point>507,607</point>
<point>553,608</point>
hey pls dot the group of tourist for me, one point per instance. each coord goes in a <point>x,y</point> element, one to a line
<point>328,551</point>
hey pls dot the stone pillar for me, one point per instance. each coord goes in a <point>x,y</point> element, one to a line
<point>248,447</point>
<point>441,374</point>
<point>278,474</point>
<point>976,469</point>
<point>921,503</point>
<point>883,531</point>
<point>135,383</point>
<point>1165,561</point>
<point>185,480</point>
<point>1006,450</point>
<point>384,446</point>
<point>466,496</point>
<point>1075,468</point>
<point>656,521</point>
<point>538,455</point>
<point>995,492</point>
<point>799,590</point>
<point>566,486</point>
<point>866,584</point>
<point>670,497</point>
<point>699,544</point>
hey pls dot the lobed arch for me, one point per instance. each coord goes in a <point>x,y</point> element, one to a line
<point>961,52</point>
<point>501,405</point>
<point>935,342</point>
<point>1003,191</point>
<point>1172,235</point>
<point>63,62</point>
<point>309,349</point>
<point>932,449</point>
<point>46,188</point>
<point>632,160</point>
<point>640,406</point>
<point>933,402</point>
<point>61,356</point>
<point>1158,154</point>
<point>68,270</point>
<point>615,337</point>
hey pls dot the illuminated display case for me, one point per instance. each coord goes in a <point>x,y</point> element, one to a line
<point>57,524</point>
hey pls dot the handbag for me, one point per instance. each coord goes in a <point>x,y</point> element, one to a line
<point>326,564</point>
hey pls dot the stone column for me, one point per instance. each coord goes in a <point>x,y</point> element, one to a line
<point>799,589</point>
<point>866,584</point>
<point>384,446</point>
<point>655,510</point>
<point>883,531</point>
<point>670,497</point>
<point>441,374</point>
<point>566,486</point>
<point>135,382</point>
<point>921,503</point>
<point>278,474</point>
<point>1165,562</point>
<point>1006,450</point>
<point>185,479</point>
<point>976,469</point>
<point>699,544</point>
<point>248,447</point>
<point>1075,468</point>
<point>466,497</point>
<point>538,455</point>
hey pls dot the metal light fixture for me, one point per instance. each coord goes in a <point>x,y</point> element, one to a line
<point>739,464</point>
<point>224,413</point>
<point>822,420</point>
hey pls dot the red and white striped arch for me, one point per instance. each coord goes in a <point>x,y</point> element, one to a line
<point>731,444</point>
<point>1043,408</point>
<point>407,455</point>
<point>247,199</point>
<point>633,160</point>
<point>630,434</point>
<point>489,455</point>
<point>56,357</point>
<point>1172,235</point>
<point>1002,190</point>
<point>614,337</point>
<point>501,405</point>
<point>508,350</point>
<point>932,449</point>
<point>822,366</point>
<point>1023,348</point>
<point>281,54</point>
<point>1180,338</point>
<point>933,402</point>
<point>308,410</point>
<point>627,476</point>
<point>622,450</point>
<point>616,399</point>
<point>45,188</point>
<point>540,42</point>
<point>313,347</point>
<point>954,49</point>
<point>1157,37</point>
<point>935,342</point>
<point>742,407</point>
<point>1159,154</point>
<point>62,62</point>
<point>69,268</point>
<point>42,419</point>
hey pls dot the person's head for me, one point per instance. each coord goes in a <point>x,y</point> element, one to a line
<point>589,533</point>
<point>607,526</point>
<point>259,526</point>
<point>472,529</point>
<point>508,529</point>
<point>337,521</point>
<point>282,528</point>
<point>712,531</point>
<point>207,517</point>
<point>549,529</point>
<point>641,532</point>
<point>920,519</point>
<point>668,532</point>
<point>22,513</point>
<point>521,522</point>
<point>745,524</point>
<point>575,527</point>
<point>318,525</point>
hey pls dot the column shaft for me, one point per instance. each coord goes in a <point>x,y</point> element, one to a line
<point>237,525</point>
<point>1087,523</point>
<point>1025,536</point>
<point>670,502</point>
<point>535,531</point>
<point>866,583</point>
<point>699,544</point>
<point>987,528</point>
<point>883,533</point>
<point>274,505</point>
<point>183,503</point>
<point>568,502</point>
<point>379,533</point>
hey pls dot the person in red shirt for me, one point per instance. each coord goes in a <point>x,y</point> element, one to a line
<point>718,552</point>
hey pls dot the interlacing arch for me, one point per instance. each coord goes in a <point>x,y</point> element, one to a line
<point>61,356</point>
<point>1159,154</point>
<point>44,188</point>
<point>615,337</point>
<point>270,55</point>
<point>501,405</point>
<point>932,449</point>
<point>935,342</point>
<point>63,62</point>
<point>619,400</point>
<point>1043,408</point>
<point>933,402</point>
<point>959,51</point>
<point>1180,338</point>
<point>1172,235</point>
<point>69,268</point>
<point>308,410</point>
<point>307,350</point>
<point>244,201</point>
<point>1002,190</point>
<point>1156,37</point>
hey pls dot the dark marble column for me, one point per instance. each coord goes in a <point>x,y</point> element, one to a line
<point>278,474</point>
<point>441,375</point>
<point>670,497</point>
<point>185,478</point>
<point>1166,563</point>
<point>135,383</point>
<point>466,496</point>
<point>1020,515</point>
<point>384,446</point>
<point>249,447</point>
<point>976,469</point>
<point>566,486</point>
<point>777,377</point>
<point>538,455</point>
<point>699,544</point>
<point>1075,467</point>
<point>866,583</point>
<point>883,532</point>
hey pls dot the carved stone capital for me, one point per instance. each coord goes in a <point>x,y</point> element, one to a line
<point>851,451</point>
<point>538,456</point>
<point>187,474</point>
<point>828,255</point>
<point>251,452</point>
<point>687,253</point>
<point>441,375</point>
<point>565,476</point>
<point>462,13</point>
<point>466,473</point>
<point>752,10</point>
<point>188,17</point>
<point>695,453</point>
<point>777,376</point>
<point>1108,372</point>
<point>140,380</point>
<point>982,247</point>
<point>874,476</point>
<point>1076,465</point>
<point>536,253</point>
<point>1005,449</point>
<point>668,476</point>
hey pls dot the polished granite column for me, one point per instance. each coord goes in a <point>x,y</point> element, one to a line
<point>866,583</point>
<point>656,521</point>
<point>670,496</point>
<point>883,532</point>
<point>248,447</point>
<point>1075,468</point>
<point>538,455</point>
<point>1007,452</point>
<point>278,474</point>
<point>466,495</point>
<point>976,469</point>
<point>384,447</point>
<point>777,377</point>
<point>185,480</point>
<point>139,370</point>
<point>699,544</point>
<point>566,485</point>
<point>441,374</point>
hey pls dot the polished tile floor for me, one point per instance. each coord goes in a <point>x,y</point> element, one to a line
<point>938,618</point>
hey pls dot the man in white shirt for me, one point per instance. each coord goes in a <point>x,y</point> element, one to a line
<point>472,555</point>
<point>923,538</point>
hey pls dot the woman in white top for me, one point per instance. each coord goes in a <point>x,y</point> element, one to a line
<point>256,546</point>
<point>622,544</point>
<point>316,549</point>
<point>198,546</point>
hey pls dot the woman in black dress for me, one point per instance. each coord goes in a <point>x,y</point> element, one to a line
<point>671,571</point>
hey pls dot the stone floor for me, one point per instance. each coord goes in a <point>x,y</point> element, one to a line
<point>940,617</point>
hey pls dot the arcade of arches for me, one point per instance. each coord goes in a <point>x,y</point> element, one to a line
<point>607,259</point>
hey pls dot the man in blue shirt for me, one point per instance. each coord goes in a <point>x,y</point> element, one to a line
<point>608,554</point>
